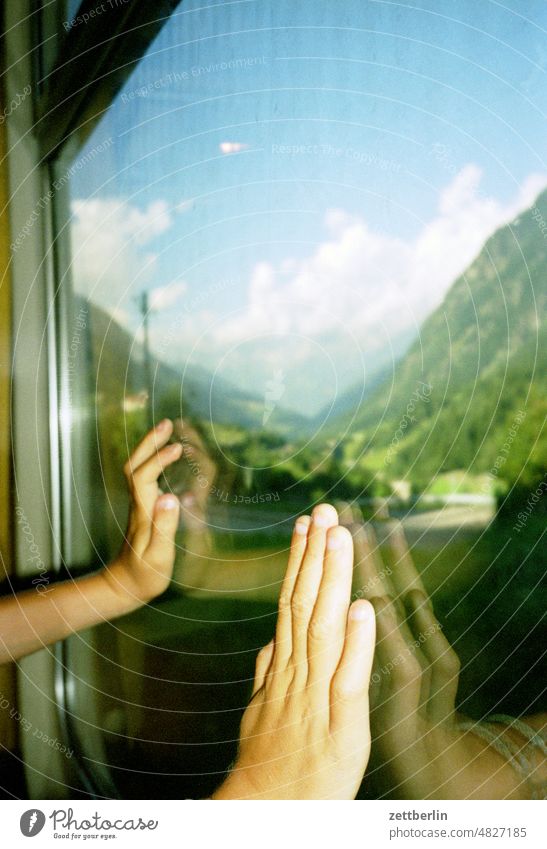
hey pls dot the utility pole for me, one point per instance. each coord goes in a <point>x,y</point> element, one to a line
<point>145,313</point>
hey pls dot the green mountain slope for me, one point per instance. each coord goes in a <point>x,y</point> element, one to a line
<point>116,371</point>
<point>482,357</point>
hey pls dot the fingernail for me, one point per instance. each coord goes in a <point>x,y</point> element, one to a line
<point>301,528</point>
<point>188,500</point>
<point>319,519</point>
<point>163,424</point>
<point>169,503</point>
<point>359,610</point>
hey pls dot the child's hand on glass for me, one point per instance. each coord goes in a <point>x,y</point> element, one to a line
<point>144,566</point>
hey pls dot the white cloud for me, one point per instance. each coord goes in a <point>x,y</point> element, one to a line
<point>359,279</point>
<point>359,290</point>
<point>110,247</point>
<point>228,147</point>
<point>163,297</point>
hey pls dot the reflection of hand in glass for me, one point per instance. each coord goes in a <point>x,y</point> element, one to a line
<point>145,563</point>
<point>192,480</point>
<point>140,572</point>
<point>196,475</point>
<point>422,748</point>
<point>305,734</point>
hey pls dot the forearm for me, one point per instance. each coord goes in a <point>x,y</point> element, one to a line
<point>509,766</point>
<point>482,772</point>
<point>33,619</point>
<point>462,763</point>
<point>453,762</point>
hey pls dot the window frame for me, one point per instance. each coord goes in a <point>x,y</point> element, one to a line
<point>45,127</point>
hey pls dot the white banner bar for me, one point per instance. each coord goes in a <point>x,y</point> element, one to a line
<point>274,825</point>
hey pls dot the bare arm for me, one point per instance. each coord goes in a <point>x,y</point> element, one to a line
<point>141,571</point>
<point>33,619</point>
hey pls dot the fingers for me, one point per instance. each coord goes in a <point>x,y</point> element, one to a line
<point>196,454</point>
<point>443,660</point>
<point>160,552</point>
<point>263,663</point>
<point>405,576</point>
<point>152,442</point>
<point>193,517</point>
<point>144,490</point>
<point>350,685</point>
<point>346,513</point>
<point>307,585</point>
<point>399,669</point>
<point>327,628</point>
<point>149,471</point>
<point>371,581</point>
<point>184,431</point>
<point>371,578</point>
<point>283,634</point>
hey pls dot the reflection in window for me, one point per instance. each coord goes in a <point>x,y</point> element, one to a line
<point>312,236</point>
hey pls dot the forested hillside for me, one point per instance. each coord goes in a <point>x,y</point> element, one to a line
<point>482,358</point>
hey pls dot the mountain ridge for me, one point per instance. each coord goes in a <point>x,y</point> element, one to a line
<point>490,328</point>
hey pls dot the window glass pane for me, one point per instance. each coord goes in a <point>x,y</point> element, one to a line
<point>313,232</point>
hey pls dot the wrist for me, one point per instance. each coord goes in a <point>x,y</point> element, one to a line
<point>235,786</point>
<point>125,590</point>
<point>496,764</point>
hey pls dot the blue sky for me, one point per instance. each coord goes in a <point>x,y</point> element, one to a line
<point>336,164</point>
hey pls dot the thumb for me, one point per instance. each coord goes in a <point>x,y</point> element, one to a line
<point>161,549</point>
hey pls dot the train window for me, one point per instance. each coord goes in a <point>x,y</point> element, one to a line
<point>311,234</point>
